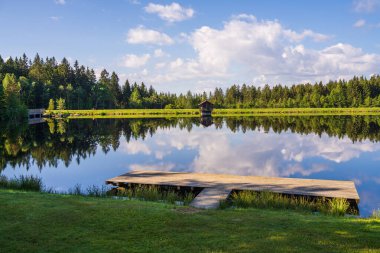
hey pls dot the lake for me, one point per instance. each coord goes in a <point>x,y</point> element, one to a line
<point>87,151</point>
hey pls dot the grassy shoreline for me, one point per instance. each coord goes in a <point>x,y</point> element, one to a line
<point>41,222</point>
<point>151,113</point>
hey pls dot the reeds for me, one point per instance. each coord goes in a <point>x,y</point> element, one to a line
<point>76,190</point>
<point>25,183</point>
<point>376,214</point>
<point>338,206</point>
<point>265,199</point>
<point>96,191</point>
<point>143,192</point>
<point>155,193</point>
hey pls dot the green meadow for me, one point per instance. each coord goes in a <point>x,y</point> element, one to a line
<point>42,222</point>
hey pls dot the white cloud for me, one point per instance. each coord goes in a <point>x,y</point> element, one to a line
<point>160,65</point>
<point>177,63</point>
<point>135,147</point>
<point>144,72</point>
<point>366,5</point>
<point>297,37</point>
<point>141,35</point>
<point>98,70</point>
<point>359,23</point>
<point>171,13</point>
<point>61,2</point>
<point>55,18</point>
<point>135,61</point>
<point>247,50</point>
<point>136,2</point>
<point>156,166</point>
<point>159,53</point>
<point>248,42</point>
<point>160,154</point>
<point>269,156</point>
<point>265,48</point>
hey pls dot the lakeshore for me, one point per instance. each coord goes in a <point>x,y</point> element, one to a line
<point>157,113</point>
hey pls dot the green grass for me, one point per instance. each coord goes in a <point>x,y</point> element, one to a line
<point>246,199</point>
<point>155,113</point>
<point>41,222</point>
<point>130,113</point>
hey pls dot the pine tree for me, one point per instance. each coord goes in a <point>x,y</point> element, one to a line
<point>51,104</point>
<point>115,90</point>
<point>13,107</point>
<point>61,104</point>
<point>135,100</point>
<point>126,93</point>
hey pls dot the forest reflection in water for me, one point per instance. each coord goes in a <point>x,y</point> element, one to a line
<point>325,147</point>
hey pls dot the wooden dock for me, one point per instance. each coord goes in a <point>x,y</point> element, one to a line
<point>219,186</point>
<point>35,113</point>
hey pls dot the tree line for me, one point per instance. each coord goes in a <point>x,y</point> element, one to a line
<point>46,83</point>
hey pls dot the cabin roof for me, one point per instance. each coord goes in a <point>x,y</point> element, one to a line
<point>205,102</point>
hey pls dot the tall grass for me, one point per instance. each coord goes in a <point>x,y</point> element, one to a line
<point>143,192</point>
<point>76,190</point>
<point>376,214</point>
<point>25,183</point>
<point>338,206</point>
<point>265,199</point>
<point>96,191</point>
<point>155,193</point>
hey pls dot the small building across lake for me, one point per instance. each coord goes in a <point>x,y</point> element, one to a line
<point>206,108</point>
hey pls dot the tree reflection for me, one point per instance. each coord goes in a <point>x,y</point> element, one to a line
<point>62,140</point>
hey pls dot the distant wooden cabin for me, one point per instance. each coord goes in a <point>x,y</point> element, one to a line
<point>206,108</point>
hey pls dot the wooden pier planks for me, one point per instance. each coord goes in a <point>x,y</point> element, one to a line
<point>209,198</point>
<point>296,186</point>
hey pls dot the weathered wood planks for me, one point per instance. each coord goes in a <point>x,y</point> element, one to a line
<point>296,186</point>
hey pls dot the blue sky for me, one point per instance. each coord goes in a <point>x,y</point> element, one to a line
<point>198,45</point>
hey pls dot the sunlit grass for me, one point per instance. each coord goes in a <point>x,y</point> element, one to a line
<point>338,206</point>
<point>152,113</point>
<point>40,222</point>
<point>265,199</point>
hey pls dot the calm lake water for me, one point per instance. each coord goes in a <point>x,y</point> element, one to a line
<point>87,152</point>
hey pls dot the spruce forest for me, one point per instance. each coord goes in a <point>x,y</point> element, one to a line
<point>47,83</point>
